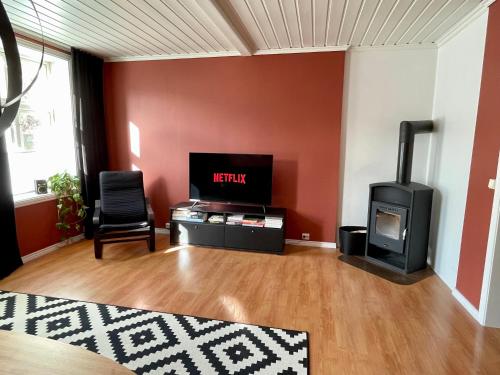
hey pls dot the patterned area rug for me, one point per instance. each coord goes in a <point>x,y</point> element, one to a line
<point>149,342</point>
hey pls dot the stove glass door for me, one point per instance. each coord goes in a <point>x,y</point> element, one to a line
<point>388,224</point>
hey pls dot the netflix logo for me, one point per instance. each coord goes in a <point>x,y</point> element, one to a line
<point>230,177</point>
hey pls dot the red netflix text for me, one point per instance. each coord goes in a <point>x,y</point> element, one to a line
<point>230,177</point>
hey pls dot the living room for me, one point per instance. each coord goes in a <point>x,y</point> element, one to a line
<point>250,187</point>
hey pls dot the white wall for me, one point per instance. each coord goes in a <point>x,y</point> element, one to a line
<point>458,81</point>
<point>382,87</point>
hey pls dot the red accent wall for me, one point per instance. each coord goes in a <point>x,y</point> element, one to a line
<point>36,226</point>
<point>286,105</point>
<point>483,167</point>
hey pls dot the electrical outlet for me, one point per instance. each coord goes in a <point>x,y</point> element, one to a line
<point>305,236</point>
<point>167,226</point>
<point>491,184</point>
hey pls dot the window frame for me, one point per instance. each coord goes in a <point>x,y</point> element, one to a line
<point>31,198</point>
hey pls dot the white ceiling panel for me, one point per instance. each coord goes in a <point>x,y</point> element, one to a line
<point>395,18</point>
<point>202,23</point>
<point>434,9</point>
<point>306,20</point>
<point>152,29</point>
<point>274,13</point>
<point>336,11</point>
<point>253,28</point>
<point>442,26</point>
<point>407,20</point>
<point>291,23</point>
<point>367,16</point>
<point>380,18</point>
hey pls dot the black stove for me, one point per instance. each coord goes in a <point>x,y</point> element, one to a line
<point>399,212</point>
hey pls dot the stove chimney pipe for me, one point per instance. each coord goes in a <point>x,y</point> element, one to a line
<point>407,131</point>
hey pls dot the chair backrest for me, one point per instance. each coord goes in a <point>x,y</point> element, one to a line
<point>122,197</point>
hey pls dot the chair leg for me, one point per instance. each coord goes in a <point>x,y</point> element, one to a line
<point>97,248</point>
<point>152,239</point>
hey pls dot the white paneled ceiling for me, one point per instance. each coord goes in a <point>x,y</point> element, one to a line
<point>152,29</point>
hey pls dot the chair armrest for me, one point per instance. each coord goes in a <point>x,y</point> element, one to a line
<point>151,214</point>
<point>96,219</point>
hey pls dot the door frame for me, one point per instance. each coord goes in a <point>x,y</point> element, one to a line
<point>489,306</point>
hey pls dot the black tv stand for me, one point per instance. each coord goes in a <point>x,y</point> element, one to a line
<point>222,235</point>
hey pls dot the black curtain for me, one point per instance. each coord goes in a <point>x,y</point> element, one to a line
<point>90,135</point>
<point>9,249</point>
<point>10,258</point>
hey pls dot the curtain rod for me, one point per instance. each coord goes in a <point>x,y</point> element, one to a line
<point>39,42</point>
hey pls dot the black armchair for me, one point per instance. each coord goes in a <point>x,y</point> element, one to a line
<point>123,213</point>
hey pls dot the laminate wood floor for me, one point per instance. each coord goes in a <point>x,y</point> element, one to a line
<point>358,323</point>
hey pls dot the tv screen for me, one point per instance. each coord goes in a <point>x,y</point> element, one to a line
<point>231,178</point>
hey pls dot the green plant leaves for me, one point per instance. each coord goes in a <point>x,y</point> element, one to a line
<point>62,226</point>
<point>70,208</point>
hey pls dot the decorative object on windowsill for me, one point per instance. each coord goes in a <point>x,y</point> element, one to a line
<point>41,186</point>
<point>70,208</point>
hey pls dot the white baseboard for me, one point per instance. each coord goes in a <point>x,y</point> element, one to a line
<point>50,249</point>
<point>329,245</point>
<point>471,309</point>
<point>162,231</point>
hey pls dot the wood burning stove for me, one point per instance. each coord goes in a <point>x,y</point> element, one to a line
<point>399,212</point>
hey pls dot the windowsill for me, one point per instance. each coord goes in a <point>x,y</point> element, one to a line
<point>28,199</point>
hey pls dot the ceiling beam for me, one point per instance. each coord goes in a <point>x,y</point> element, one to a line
<point>221,21</point>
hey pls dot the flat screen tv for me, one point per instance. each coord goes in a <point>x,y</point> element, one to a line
<point>231,178</point>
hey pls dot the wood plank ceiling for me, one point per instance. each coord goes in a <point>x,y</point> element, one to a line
<point>154,29</point>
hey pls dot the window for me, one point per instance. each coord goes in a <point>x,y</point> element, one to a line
<point>40,141</point>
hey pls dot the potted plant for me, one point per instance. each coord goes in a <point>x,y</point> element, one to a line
<point>70,208</point>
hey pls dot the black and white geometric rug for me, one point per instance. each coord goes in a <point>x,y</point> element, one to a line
<point>149,342</point>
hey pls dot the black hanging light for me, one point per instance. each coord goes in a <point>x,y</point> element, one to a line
<point>15,92</point>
